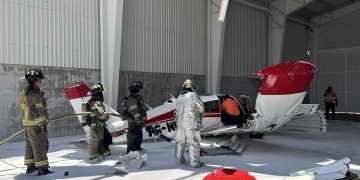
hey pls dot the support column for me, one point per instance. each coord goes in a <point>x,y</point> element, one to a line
<point>281,8</point>
<point>314,44</point>
<point>277,31</point>
<point>216,31</point>
<point>110,16</point>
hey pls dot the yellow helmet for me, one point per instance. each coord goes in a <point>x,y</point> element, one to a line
<point>189,84</point>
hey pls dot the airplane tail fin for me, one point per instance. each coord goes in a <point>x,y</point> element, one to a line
<point>78,95</point>
<point>282,90</point>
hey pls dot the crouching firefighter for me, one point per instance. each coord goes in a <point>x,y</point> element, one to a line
<point>34,118</point>
<point>100,138</point>
<point>133,107</point>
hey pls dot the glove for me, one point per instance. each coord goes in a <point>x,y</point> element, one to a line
<point>43,130</point>
<point>43,127</point>
<point>86,123</point>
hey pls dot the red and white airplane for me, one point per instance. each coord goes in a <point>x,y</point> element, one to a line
<point>282,90</point>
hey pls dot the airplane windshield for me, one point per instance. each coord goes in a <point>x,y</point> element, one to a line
<point>212,106</point>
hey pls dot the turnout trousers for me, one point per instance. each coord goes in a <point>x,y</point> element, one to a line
<point>96,143</point>
<point>36,147</point>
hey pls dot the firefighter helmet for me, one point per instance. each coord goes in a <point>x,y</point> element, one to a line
<point>135,85</point>
<point>189,84</point>
<point>32,75</point>
<point>97,87</point>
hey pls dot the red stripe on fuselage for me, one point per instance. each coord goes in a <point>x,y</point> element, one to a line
<point>118,133</point>
<point>206,115</point>
<point>166,117</point>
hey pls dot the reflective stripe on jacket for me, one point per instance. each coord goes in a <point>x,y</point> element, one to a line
<point>98,116</point>
<point>33,106</point>
<point>133,107</point>
<point>330,97</point>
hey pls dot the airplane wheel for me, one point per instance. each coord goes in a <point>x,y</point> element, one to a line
<point>257,135</point>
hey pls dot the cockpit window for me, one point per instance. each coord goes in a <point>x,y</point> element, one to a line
<point>212,106</point>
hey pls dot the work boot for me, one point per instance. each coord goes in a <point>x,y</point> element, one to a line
<point>201,164</point>
<point>31,169</point>
<point>203,152</point>
<point>107,153</point>
<point>44,171</point>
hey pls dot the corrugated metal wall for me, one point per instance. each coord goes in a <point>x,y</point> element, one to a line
<point>331,71</point>
<point>352,84</point>
<point>339,67</point>
<point>50,33</point>
<point>164,36</point>
<point>246,41</point>
<point>343,32</point>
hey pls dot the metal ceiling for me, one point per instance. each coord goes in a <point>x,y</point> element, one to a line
<point>320,7</point>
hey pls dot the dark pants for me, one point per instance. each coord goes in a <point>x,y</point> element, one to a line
<point>107,138</point>
<point>328,106</point>
<point>134,137</point>
<point>228,119</point>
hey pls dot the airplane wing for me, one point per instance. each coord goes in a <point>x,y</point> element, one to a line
<point>307,118</point>
<point>232,129</point>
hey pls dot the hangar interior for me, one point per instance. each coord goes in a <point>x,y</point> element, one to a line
<point>162,43</point>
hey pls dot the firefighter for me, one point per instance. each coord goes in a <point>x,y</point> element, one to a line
<point>34,118</point>
<point>100,138</point>
<point>330,101</point>
<point>133,107</point>
<point>189,109</point>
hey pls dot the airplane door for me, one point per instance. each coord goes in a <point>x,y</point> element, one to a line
<point>212,115</point>
<point>245,105</point>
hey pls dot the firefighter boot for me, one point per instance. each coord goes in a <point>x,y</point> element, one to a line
<point>31,169</point>
<point>44,171</point>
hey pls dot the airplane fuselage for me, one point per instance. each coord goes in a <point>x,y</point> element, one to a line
<point>283,88</point>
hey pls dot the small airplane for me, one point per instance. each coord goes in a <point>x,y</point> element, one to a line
<point>282,91</point>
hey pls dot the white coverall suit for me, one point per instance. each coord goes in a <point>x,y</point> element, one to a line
<point>189,109</point>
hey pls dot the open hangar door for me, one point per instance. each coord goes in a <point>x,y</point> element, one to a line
<point>339,68</point>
